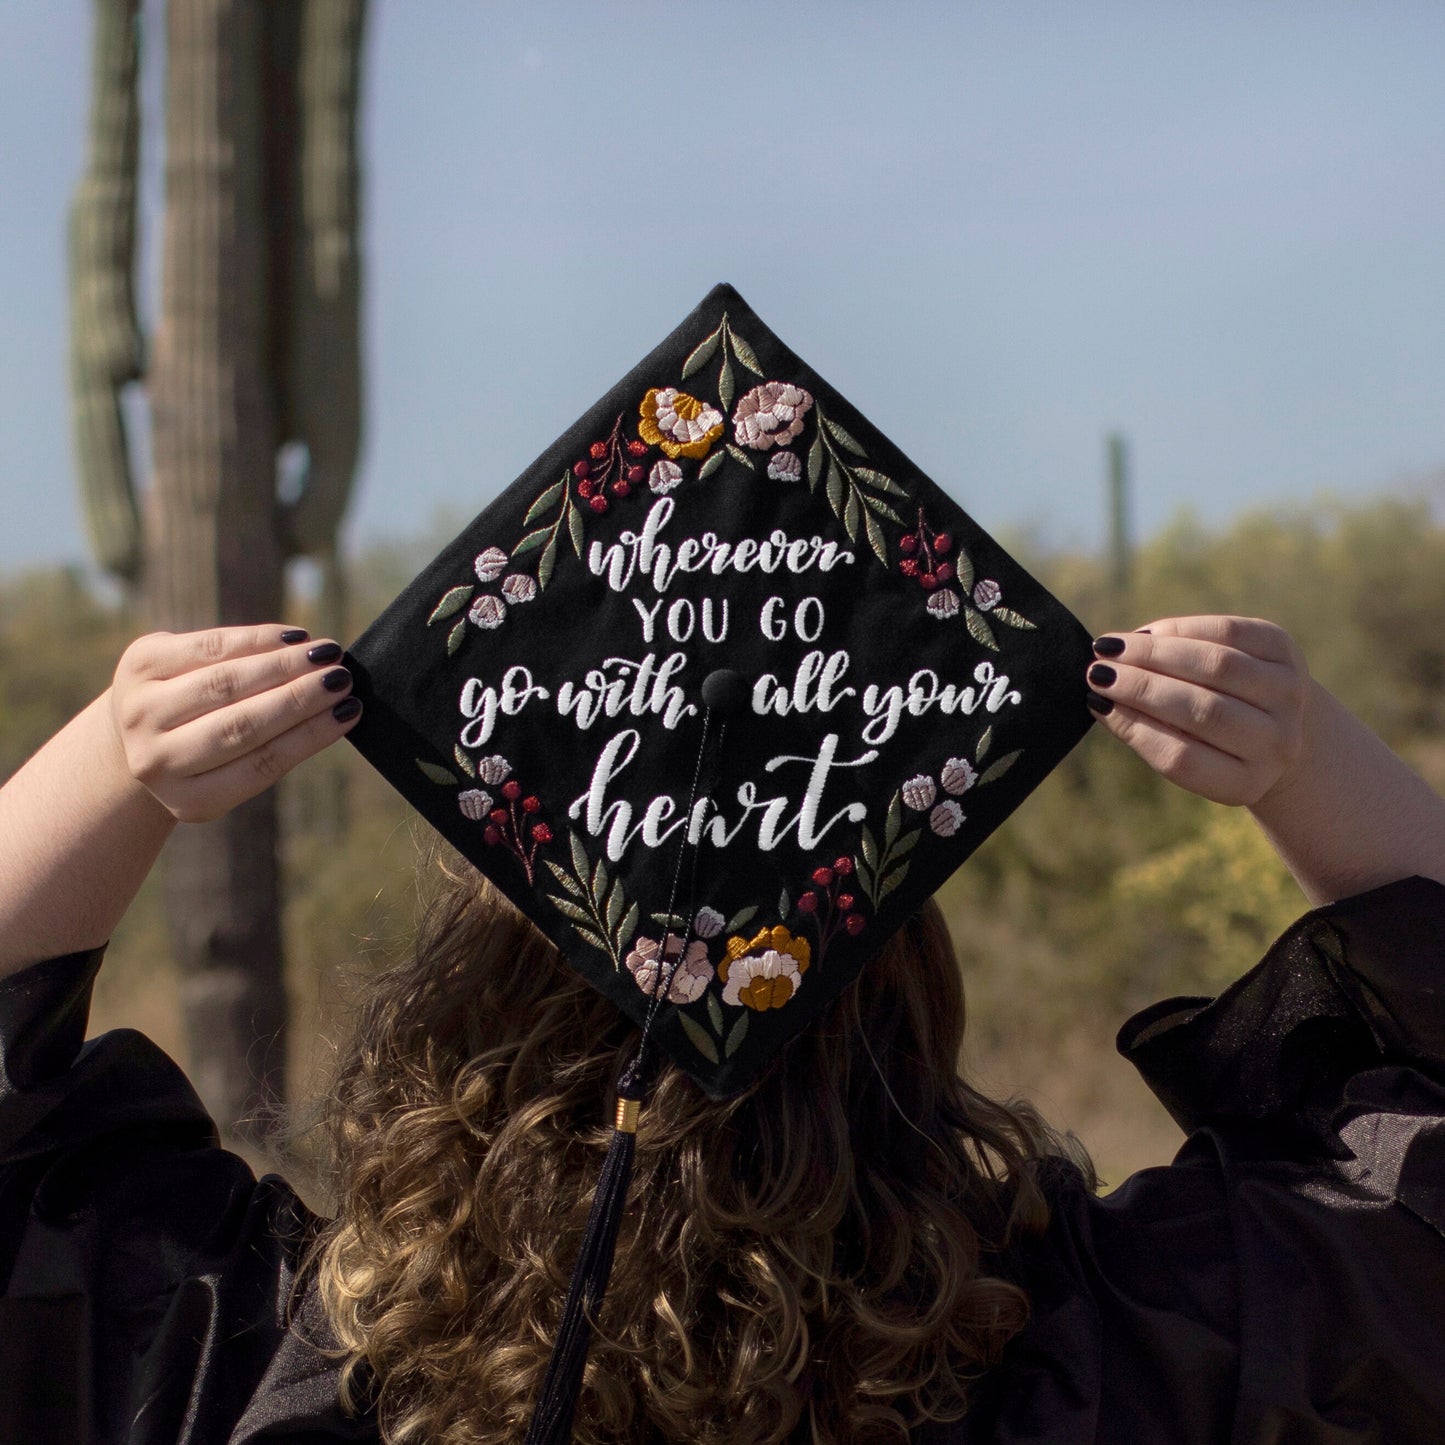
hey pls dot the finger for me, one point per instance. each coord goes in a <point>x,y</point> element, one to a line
<point>213,793</point>
<point>1209,664</point>
<point>1184,760</point>
<point>218,686</point>
<point>1261,639</point>
<point>1234,727</point>
<point>223,735</point>
<point>171,654</point>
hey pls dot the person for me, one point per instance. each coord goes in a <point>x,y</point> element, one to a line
<point>858,1247</point>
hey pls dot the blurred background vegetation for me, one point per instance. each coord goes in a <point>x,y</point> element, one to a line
<point>1108,890</point>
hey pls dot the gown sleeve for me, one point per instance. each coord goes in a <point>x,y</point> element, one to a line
<point>145,1274</point>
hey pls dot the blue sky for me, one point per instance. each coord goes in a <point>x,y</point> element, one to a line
<point>1001,229</point>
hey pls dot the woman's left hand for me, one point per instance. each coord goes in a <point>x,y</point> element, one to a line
<point>1214,704</point>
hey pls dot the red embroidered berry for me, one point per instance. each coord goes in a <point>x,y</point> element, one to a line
<point>511,790</point>
<point>808,903</point>
<point>943,571</point>
<point>582,469</point>
<point>909,566</point>
<point>586,488</point>
<point>598,504</point>
<point>907,543</point>
<point>492,835</point>
<point>635,475</point>
<point>928,580</point>
<point>855,923</point>
<point>598,450</point>
<point>623,488</point>
<point>531,804</point>
<point>541,832</point>
<point>822,876</point>
<point>846,901</point>
<point>636,449</point>
<point>499,815</point>
<point>842,866</point>
<point>942,543</point>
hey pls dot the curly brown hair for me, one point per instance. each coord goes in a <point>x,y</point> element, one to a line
<point>824,1248</point>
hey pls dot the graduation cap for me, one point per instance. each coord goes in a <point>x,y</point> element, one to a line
<point>717,692</point>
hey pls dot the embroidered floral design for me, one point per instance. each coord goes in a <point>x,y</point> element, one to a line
<point>490,564</point>
<point>709,923</point>
<point>830,904</point>
<point>946,819</point>
<point>519,588</point>
<point>680,424</point>
<point>987,594</point>
<point>958,776</point>
<point>881,869</point>
<point>732,346</point>
<point>475,804</point>
<point>665,475</point>
<point>765,971</point>
<point>513,824</point>
<point>855,492</point>
<point>919,792</point>
<point>771,415</point>
<point>785,467</point>
<point>594,902</point>
<point>487,611</point>
<point>691,973</point>
<point>944,603</point>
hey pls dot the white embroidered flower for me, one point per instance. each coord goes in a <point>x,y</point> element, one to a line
<point>919,792</point>
<point>946,818</point>
<point>488,611</point>
<point>771,415</point>
<point>491,564</point>
<point>708,923</point>
<point>958,775</point>
<point>493,770</point>
<point>943,603</point>
<point>664,476</point>
<point>690,977</point>
<point>987,594</point>
<point>785,467</point>
<point>475,804</point>
<point>762,980</point>
<point>680,424</point>
<point>519,588</point>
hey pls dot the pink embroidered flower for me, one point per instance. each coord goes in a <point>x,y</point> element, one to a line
<point>519,588</point>
<point>664,477</point>
<point>488,611</point>
<point>987,594</point>
<point>958,775</point>
<point>475,804</point>
<point>946,818</point>
<point>690,977</point>
<point>708,923</point>
<point>680,424</point>
<point>919,792</point>
<point>943,603</point>
<point>771,415</point>
<point>490,564</point>
<point>785,467</point>
<point>492,770</point>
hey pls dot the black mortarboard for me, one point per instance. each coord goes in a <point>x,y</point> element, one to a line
<point>718,692</point>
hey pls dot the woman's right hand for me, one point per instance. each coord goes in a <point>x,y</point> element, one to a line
<point>206,720</point>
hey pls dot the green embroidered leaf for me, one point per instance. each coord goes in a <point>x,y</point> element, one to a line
<point>566,879</point>
<point>463,761</point>
<point>892,881</point>
<point>574,526</point>
<point>741,918</point>
<point>785,904</point>
<point>745,354</point>
<point>531,541</point>
<point>906,843</point>
<point>669,920</point>
<point>710,465</point>
<point>580,861</point>
<point>701,354</point>
<point>549,559</point>
<point>980,629</point>
<point>850,514</point>
<point>455,636</point>
<point>877,479</point>
<point>434,774</point>
<point>964,571</point>
<point>842,438</point>
<point>628,926</point>
<point>547,499</point>
<point>815,463</point>
<point>835,488</point>
<point>741,457</point>
<point>452,603</point>
<point>1010,618</point>
<point>869,847</point>
<point>600,880</point>
<point>996,770</point>
<point>725,385</point>
<point>739,1033</point>
<point>699,1038</point>
<point>984,744</point>
<point>883,509</point>
<point>875,536</point>
<point>575,911</point>
<point>715,1014</point>
<point>893,822</point>
<point>613,911</point>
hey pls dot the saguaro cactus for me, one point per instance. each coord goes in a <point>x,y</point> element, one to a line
<point>255,346</point>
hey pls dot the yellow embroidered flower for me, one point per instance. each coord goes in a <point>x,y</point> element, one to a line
<point>680,424</point>
<point>766,971</point>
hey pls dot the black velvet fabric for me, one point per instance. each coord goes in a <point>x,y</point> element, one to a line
<point>1282,1281</point>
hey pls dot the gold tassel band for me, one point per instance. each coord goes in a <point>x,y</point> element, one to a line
<point>627,1112</point>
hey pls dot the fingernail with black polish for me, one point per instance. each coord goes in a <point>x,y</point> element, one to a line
<point>293,635</point>
<point>1108,646</point>
<point>1102,675</point>
<point>346,709</point>
<point>337,680</point>
<point>324,652</point>
<point>1101,705</point>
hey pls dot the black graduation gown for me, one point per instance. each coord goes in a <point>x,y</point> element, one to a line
<point>1282,1282</point>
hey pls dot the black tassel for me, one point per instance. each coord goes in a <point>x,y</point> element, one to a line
<point>552,1417</point>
